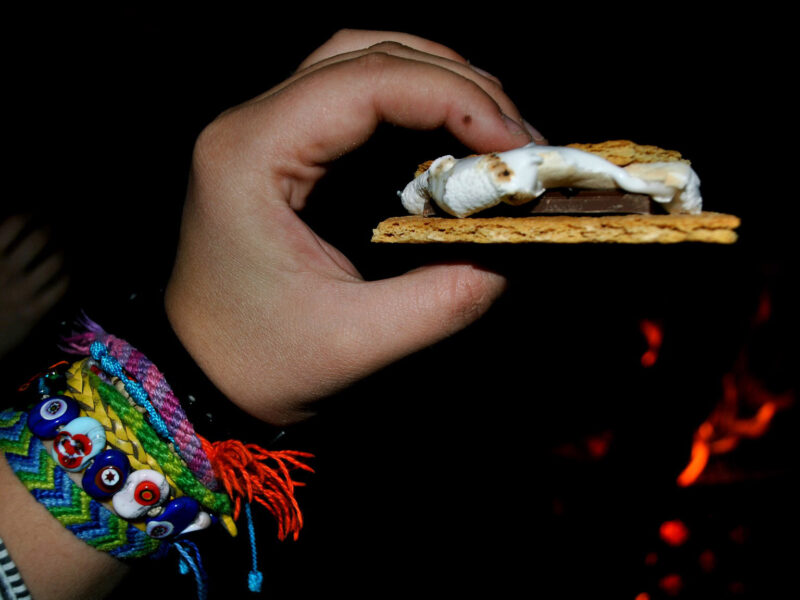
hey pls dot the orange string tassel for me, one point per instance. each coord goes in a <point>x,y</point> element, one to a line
<point>249,471</point>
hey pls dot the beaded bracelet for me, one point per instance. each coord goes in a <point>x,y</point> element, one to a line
<point>52,487</point>
<point>120,356</point>
<point>111,455</point>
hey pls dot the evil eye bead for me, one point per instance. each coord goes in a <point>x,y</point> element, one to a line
<point>143,490</point>
<point>177,515</point>
<point>201,521</point>
<point>45,419</point>
<point>106,475</point>
<point>78,442</point>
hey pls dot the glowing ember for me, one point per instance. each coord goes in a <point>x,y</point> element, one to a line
<point>653,335</point>
<point>593,447</point>
<point>725,427</point>
<point>674,533</point>
<point>745,410</point>
<point>671,584</point>
<point>598,445</point>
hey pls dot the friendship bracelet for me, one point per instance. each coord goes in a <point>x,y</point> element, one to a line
<point>103,402</point>
<point>135,390</point>
<point>155,385</point>
<point>117,434</point>
<point>156,447</point>
<point>52,487</point>
<point>98,452</point>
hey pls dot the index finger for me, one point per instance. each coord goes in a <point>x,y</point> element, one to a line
<point>487,82</point>
<point>356,96</point>
<point>351,40</point>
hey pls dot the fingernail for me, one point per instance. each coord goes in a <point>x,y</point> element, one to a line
<point>534,133</point>
<point>515,128</point>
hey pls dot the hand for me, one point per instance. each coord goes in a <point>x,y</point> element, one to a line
<point>29,288</point>
<point>274,315</point>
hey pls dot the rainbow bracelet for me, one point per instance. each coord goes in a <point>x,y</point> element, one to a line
<point>113,458</point>
<point>52,487</point>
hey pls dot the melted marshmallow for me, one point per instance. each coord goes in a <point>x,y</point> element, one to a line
<point>462,187</point>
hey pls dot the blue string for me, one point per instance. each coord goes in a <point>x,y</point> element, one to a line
<point>193,564</point>
<point>111,366</point>
<point>255,578</point>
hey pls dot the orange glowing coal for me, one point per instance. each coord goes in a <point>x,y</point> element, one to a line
<point>745,410</point>
<point>653,333</point>
<point>674,533</point>
<point>726,426</point>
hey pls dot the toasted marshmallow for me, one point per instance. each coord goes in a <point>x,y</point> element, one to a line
<point>462,187</point>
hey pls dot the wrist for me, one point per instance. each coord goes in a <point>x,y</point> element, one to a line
<point>115,405</point>
<point>30,534</point>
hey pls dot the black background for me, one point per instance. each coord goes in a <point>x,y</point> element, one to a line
<point>447,473</point>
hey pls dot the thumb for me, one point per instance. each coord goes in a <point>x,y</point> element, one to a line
<point>398,316</point>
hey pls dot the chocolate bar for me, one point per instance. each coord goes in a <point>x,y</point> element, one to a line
<point>574,201</point>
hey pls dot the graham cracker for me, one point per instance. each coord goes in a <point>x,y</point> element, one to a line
<point>626,152</point>
<point>708,227</point>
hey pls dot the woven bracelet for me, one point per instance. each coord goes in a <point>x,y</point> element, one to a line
<point>129,475</point>
<point>52,487</point>
<point>122,357</point>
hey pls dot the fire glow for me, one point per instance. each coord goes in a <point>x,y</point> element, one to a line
<point>751,390</point>
<point>674,532</point>
<point>653,334</point>
<point>746,408</point>
<point>725,427</point>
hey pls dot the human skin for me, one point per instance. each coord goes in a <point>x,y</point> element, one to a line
<point>30,285</point>
<point>256,295</point>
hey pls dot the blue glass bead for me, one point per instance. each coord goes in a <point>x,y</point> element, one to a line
<point>178,514</point>
<point>106,475</point>
<point>78,442</point>
<point>50,414</point>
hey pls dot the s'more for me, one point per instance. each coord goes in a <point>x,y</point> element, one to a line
<point>609,192</point>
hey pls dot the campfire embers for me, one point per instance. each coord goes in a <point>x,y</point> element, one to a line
<point>732,495</point>
<point>653,332</point>
<point>745,410</point>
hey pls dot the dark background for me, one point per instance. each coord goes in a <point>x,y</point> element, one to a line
<point>467,467</point>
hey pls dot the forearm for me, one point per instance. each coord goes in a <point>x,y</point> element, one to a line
<point>52,561</point>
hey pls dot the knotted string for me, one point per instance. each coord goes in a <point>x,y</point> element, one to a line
<point>190,562</point>
<point>255,578</point>
<point>111,366</point>
<point>160,394</point>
